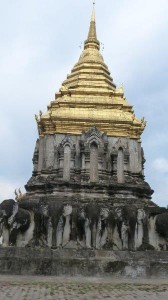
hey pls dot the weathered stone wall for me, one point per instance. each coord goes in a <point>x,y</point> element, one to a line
<point>48,159</point>
<point>26,261</point>
<point>66,168</point>
<point>86,191</point>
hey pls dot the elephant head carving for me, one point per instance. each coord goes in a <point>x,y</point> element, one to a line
<point>15,219</point>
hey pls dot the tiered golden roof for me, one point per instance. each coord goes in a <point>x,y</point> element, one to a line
<point>88,97</point>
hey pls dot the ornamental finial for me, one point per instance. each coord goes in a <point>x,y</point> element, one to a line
<point>93,13</point>
<point>92,41</point>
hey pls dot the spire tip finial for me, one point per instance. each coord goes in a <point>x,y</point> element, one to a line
<point>93,12</point>
<point>92,41</point>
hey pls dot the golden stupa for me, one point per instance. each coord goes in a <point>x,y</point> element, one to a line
<point>89,97</point>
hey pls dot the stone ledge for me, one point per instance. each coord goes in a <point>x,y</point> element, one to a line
<point>70,262</point>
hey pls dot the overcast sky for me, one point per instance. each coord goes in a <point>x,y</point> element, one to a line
<point>39,44</point>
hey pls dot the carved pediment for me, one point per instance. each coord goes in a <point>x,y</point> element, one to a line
<point>93,132</point>
<point>67,141</point>
<point>94,135</point>
<point>121,143</point>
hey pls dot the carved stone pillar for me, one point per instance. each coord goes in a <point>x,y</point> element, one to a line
<point>67,152</point>
<point>120,166</point>
<point>94,163</point>
<point>67,162</point>
<point>126,163</point>
<point>93,145</point>
<point>114,164</point>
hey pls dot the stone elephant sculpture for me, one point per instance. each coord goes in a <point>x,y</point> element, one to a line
<point>126,219</point>
<point>46,219</point>
<point>92,223</point>
<point>162,225</point>
<point>83,228</point>
<point>14,219</point>
<point>8,209</point>
<point>130,216</point>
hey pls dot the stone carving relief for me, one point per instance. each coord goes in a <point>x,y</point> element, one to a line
<point>102,231</point>
<point>67,226</point>
<point>91,157</point>
<point>66,152</point>
<point>120,166</point>
<point>139,231</point>
<point>94,162</point>
<point>124,235</point>
<point>120,228</point>
<point>84,229</point>
<point>121,143</point>
<point>13,220</point>
<point>64,227</point>
<point>93,147</point>
<point>120,159</point>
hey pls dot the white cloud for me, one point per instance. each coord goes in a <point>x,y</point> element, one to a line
<point>7,189</point>
<point>5,128</point>
<point>161,165</point>
<point>16,58</point>
<point>137,30</point>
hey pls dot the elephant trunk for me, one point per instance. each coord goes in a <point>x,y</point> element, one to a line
<point>13,237</point>
<point>1,229</point>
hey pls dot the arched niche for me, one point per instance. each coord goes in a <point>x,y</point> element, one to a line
<point>94,162</point>
<point>67,162</point>
<point>120,165</point>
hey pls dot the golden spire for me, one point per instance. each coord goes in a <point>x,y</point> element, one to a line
<point>92,41</point>
<point>88,97</point>
<point>93,18</point>
<point>90,75</point>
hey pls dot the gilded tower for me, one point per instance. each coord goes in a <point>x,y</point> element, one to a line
<point>89,98</point>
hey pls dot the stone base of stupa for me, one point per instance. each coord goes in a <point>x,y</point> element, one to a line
<point>70,262</point>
